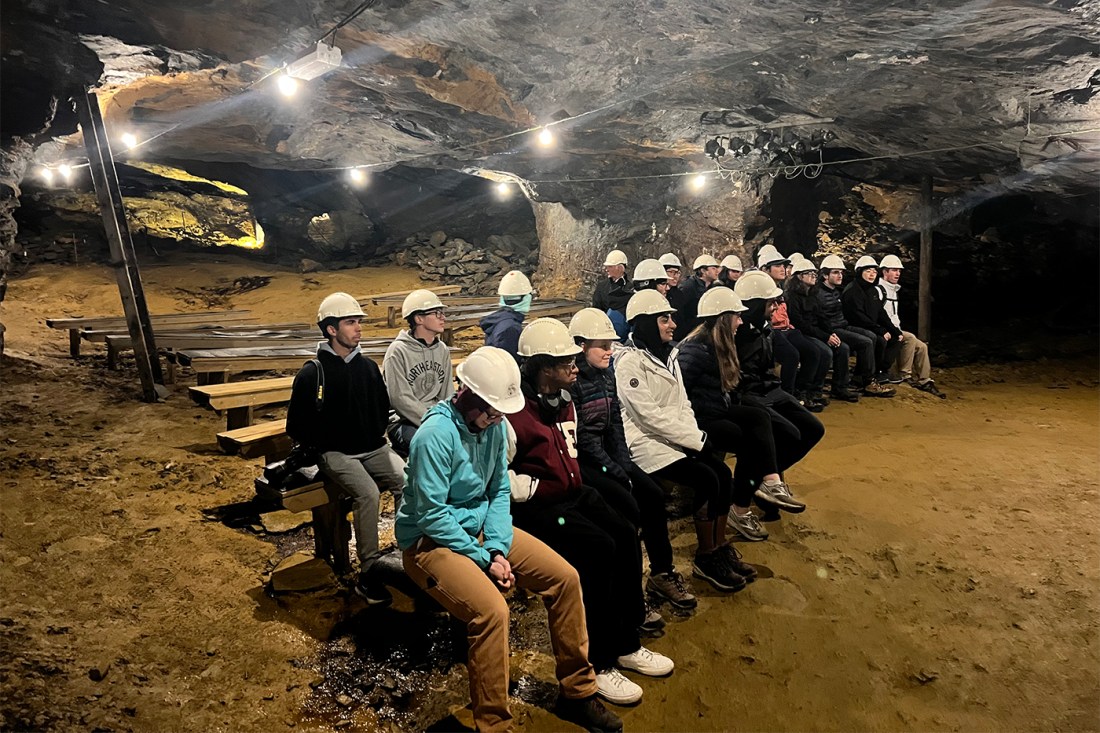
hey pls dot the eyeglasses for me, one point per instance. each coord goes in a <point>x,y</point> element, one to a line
<point>438,313</point>
<point>493,414</point>
<point>565,362</point>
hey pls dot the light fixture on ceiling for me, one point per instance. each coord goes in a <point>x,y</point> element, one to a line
<point>713,149</point>
<point>47,175</point>
<point>546,138</point>
<point>129,139</point>
<point>698,182</point>
<point>288,85</point>
<point>504,190</point>
<point>316,63</point>
<point>65,171</point>
<point>357,176</point>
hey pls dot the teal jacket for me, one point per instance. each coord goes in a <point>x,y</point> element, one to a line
<point>456,487</point>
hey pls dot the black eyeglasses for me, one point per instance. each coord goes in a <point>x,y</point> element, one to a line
<point>438,313</point>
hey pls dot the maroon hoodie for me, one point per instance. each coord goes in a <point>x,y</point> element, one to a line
<point>546,449</point>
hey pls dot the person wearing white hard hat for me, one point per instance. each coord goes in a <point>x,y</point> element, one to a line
<point>708,361</point>
<point>863,310</point>
<point>605,458</point>
<point>339,407</point>
<point>804,312</point>
<point>729,270</point>
<point>803,361</point>
<point>832,320</point>
<point>705,269</point>
<point>664,437</point>
<point>550,501</point>
<point>454,527</point>
<point>502,327</point>
<point>673,268</point>
<point>795,429</point>
<point>649,274</point>
<point>613,291</point>
<point>416,367</point>
<point>913,356</point>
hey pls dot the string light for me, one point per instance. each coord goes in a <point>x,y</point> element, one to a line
<point>504,190</point>
<point>288,85</point>
<point>698,182</point>
<point>357,176</point>
<point>546,138</point>
<point>129,139</point>
<point>47,175</point>
<point>65,171</point>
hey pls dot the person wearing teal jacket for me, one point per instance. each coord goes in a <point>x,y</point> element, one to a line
<point>454,526</point>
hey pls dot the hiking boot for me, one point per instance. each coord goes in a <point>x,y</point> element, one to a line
<point>713,568</point>
<point>371,589</point>
<point>589,713</point>
<point>672,587</point>
<point>930,388</point>
<point>653,621</point>
<point>845,395</point>
<point>733,559</point>
<point>647,662</point>
<point>747,525</point>
<point>614,687</point>
<point>874,389</point>
<point>779,494</point>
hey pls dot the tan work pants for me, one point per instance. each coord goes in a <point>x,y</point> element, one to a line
<point>467,593</point>
<point>913,362</point>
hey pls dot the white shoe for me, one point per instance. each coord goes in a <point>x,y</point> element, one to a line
<point>615,688</point>
<point>647,662</point>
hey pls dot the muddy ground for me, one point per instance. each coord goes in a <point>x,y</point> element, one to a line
<point>944,578</point>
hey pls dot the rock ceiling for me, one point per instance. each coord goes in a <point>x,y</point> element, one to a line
<point>640,84</point>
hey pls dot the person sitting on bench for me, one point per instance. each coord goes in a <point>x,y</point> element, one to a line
<point>416,367</point>
<point>342,413</point>
<point>455,528</point>
<point>502,326</point>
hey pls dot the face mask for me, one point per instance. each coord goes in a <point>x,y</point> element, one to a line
<point>523,306</point>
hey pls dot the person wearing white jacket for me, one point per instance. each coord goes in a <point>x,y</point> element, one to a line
<point>914,352</point>
<point>665,440</point>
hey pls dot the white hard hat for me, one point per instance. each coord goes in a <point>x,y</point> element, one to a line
<point>339,305</point>
<point>769,255</point>
<point>592,324</point>
<point>797,257</point>
<point>547,336</point>
<point>420,300</point>
<point>615,257</point>
<point>865,261</point>
<point>732,262</point>
<point>647,302</point>
<point>649,269</point>
<point>756,284</point>
<point>804,265</point>
<point>891,262</point>
<point>493,375</point>
<point>717,301</point>
<point>704,261</point>
<point>514,283</point>
<point>670,260</point>
<point>832,262</point>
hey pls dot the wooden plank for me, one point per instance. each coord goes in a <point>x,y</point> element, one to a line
<point>82,322</point>
<point>256,440</point>
<point>204,328</point>
<point>364,300</point>
<point>215,340</point>
<point>563,309</point>
<point>393,307</point>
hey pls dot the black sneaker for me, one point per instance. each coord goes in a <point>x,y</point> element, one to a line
<point>930,388</point>
<point>845,395</point>
<point>653,624</point>
<point>820,398</point>
<point>371,589</point>
<point>590,714</point>
<point>733,559</point>
<point>890,378</point>
<point>713,568</point>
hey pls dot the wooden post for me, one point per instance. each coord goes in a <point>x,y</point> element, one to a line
<point>123,256</point>
<point>924,293</point>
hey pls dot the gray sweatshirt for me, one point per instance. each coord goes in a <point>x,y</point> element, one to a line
<point>417,376</point>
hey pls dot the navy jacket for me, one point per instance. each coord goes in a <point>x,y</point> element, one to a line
<point>600,437</point>
<point>502,329</point>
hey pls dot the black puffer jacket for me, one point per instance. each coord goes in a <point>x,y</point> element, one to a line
<point>804,310</point>
<point>832,309</point>
<point>687,318</point>
<point>863,309</point>
<point>757,357</point>
<point>612,294</point>
<point>600,437</point>
<point>699,370</point>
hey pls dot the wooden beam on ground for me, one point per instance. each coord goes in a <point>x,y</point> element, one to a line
<point>123,256</point>
<point>924,292</point>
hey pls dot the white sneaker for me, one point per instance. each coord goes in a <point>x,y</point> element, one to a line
<point>647,662</point>
<point>615,688</point>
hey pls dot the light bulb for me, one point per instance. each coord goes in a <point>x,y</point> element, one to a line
<point>288,85</point>
<point>698,181</point>
<point>504,190</point>
<point>65,171</point>
<point>129,139</point>
<point>546,138</point>
<point>358,176</point>
<point>47,175</point>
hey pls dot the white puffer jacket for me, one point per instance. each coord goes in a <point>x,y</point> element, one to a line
<point>888,294</point>
<point>657,416</point>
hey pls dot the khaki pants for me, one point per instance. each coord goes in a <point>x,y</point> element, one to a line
<point>469,595</point>
<point>913,362</point>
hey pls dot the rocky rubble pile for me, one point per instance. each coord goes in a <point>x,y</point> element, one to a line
<point>454,261</point>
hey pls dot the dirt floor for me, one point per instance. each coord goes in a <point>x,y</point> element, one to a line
<point>945,577</point>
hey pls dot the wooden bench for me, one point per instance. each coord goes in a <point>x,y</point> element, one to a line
<point>466,316</point>
<point>329,507</point>
<point>238,399</point>
<point>172,339</point>
<point>365,300</point>
<point>393,308</point>
<point>118,323</point>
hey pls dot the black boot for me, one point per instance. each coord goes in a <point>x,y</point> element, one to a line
<point>590,714</point>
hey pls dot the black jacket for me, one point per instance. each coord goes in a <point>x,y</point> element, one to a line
<point>612,294</point>
<point>757,357</point>
<point>804,310</point>
<point>355,411</point>
<point>832,309</point>
<point>699,369</point>
<point>502,329</point>
<point>687,317</point>
<point>600,438</point>
<point>863,309</point>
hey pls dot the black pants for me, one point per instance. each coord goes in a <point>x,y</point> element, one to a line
<point>748,432</point>
<point>642,504</point>
<point>710,480</point>
<point>603,547</point>
<point>795,428</point>
<point>400,435</point>
<point>862,344</point>
<point>814,361</point>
